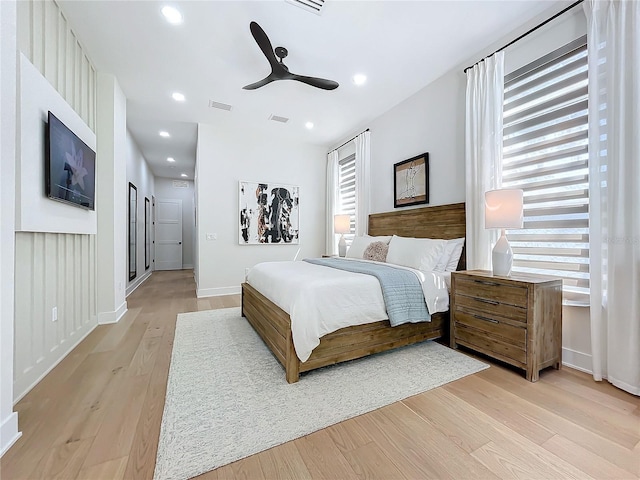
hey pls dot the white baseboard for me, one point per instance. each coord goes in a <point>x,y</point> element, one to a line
<point>578,360</point>
<point>141,280</point>
<point>187,266</point>
<point>17,395</point>
<point>105,318</point>
<point>217,292</point>
<point>9,433</point>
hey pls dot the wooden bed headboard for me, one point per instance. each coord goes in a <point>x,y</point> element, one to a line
<point>441,221</point>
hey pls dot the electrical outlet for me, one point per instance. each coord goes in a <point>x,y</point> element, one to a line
<point>54,314</point>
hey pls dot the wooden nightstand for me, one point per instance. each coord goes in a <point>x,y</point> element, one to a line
<point>516,319</point>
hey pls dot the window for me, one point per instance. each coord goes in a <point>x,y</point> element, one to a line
<point>545,153</point>
<point>347,191</point>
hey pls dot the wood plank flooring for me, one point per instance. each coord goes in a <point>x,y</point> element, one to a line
<point>97,415</point>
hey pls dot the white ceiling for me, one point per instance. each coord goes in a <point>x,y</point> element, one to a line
<point>400,45</point>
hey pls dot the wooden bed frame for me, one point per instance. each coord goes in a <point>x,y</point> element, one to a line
<point>274,325</point>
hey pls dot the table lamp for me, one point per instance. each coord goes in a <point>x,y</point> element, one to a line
<point>342,225</point>
<point>503,209</point>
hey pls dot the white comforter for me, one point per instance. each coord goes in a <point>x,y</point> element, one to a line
<point>321,300</point>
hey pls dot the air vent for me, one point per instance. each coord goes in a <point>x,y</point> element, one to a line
<point>276,118</point>
<point>221,106</point>
<point>314,6</point>
<point>180,184</point>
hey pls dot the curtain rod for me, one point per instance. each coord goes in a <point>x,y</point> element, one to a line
<point>526,33</point>
<point>352,138</point>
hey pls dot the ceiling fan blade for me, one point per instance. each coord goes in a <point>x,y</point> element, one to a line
<point>263,42</point>
<point>316,82</point>
<point>261,83</point>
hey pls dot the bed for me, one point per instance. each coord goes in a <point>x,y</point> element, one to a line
<point>273,324</point>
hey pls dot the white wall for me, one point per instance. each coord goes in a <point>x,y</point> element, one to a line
<point>139,173</point>
<point>52,270</point>
<point>44,261</point>
<point>223,159</point>
<point>8,418</point>
<point>165,189</point>
<point>111,201</point>
<point>433,120</point>
<point>48,41</point>
<point>34,211</point>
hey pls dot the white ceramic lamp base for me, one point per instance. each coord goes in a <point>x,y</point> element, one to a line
<point>342,246</point>
<point>502,257</point>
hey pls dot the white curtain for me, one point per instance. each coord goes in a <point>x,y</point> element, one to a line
<point>332,200</point>
<point>363,182</point>
<point>613,35</point>
<point>483,153</point>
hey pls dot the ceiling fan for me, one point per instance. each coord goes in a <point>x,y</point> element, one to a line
<point>279,70</point>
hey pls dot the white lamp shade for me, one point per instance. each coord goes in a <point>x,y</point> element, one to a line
<point>503,208</point>
<point>342,223</point>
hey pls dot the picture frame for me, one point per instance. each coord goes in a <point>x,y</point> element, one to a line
<point>411,181</point>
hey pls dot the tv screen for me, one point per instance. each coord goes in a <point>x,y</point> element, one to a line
<point>70,168</point>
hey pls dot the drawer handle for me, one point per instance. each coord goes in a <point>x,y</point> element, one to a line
<point>479,317</point>
<point>490,302</point>
<point>491,284</point>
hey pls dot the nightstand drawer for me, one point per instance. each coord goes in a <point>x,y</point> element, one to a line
<point>490,327</point>
<point>495,347</point>
<point>491,307</point>
<point>492,290</point>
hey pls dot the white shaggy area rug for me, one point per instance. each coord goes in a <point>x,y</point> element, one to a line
<point>227,397</point>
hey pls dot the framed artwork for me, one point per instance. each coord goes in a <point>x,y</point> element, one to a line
<point>269,213</point>
<point>411,181</point>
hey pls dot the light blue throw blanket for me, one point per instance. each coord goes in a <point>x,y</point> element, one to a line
<point>401,289</point>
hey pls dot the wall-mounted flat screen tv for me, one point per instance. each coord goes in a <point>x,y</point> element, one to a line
<point>70,166</point>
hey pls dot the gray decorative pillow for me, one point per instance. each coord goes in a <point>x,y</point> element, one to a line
<point>376,251</point>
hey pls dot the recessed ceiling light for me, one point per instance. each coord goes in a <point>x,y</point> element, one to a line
<point>309,125</point>
<point>359,79</point>
<point>164,134</point>
<point>171,159</point>
<point>178,97</point>
<point>172,15</point>
<point>184,175</point>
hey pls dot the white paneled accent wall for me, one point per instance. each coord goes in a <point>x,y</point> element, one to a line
<point>52,271</point>
<point>47,40</point>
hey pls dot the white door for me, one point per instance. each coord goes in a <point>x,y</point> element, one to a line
<point>168,234</point>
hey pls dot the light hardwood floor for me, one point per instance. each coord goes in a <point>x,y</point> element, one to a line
<point>97,416</point>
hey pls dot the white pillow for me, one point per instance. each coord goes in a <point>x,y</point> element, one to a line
<point>450,255</point>
<point>419,253</point>
<point>360,244</point>
<point>456,252</point>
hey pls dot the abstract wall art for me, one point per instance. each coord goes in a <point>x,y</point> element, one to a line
<point>269,214</point>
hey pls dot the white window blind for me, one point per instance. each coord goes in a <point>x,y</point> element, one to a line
<point>545,153</point>
<point>347,192</point>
